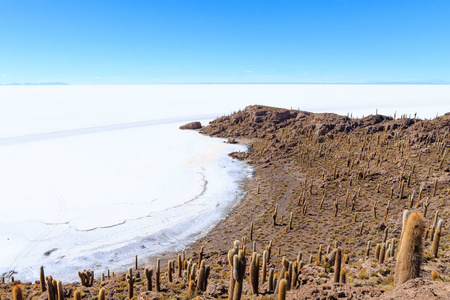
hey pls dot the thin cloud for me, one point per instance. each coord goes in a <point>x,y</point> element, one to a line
<point>3,75</point>
<point>248,71</point>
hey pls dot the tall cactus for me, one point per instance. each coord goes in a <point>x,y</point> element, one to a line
<point>76,295</point>
<point>86,277</point>
<point>436,238</point>
<point>274,215</point>
<point>50,290</point>
<point>382,253</point>
<point>203,274</point>
<point>169,271</point>
<point>42,279</point>
<point>254,273</point>
<point>270,280</point>
<point>102,294</point>
<point>60,290</point>
<point>239,263</point>
<point>17,292</point>
<point>264,266</point>
<point>158,275</point>
<point>283,289</point>
<point>337,265</point>
<point>234,251</point>
<point>130,282</point>
<point>180,266</point>
<point>148,276</point>
<point>409,257</point>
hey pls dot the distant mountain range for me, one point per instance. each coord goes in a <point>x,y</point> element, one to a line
<point>429,82</point>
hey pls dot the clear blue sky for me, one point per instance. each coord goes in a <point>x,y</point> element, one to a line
<point>212,41</point>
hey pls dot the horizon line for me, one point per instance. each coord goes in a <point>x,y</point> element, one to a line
<point>233,83</point>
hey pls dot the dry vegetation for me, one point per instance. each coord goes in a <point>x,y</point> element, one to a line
<point>321,182</point>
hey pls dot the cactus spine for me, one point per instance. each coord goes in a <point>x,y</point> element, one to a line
<point>409,256</point>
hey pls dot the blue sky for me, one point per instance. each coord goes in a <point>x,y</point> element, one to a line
<point>166,41</point>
